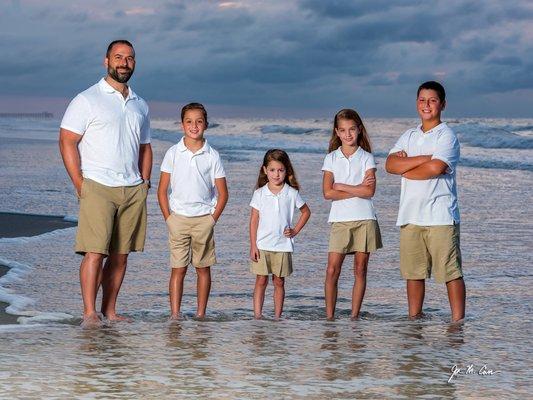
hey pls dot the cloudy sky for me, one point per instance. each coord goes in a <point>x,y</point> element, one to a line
<point>275,58</point>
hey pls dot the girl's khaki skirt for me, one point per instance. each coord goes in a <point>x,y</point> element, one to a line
<point>351,236</point>
<point>278,263</point>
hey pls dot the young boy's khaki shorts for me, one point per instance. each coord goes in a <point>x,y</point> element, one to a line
<point>191,240</point>
<point>111,219</point>
<point>424,249</point>
<point>278,263</point>
<point>351,236</point>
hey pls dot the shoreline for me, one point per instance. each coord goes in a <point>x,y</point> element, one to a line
<point>13,225</point>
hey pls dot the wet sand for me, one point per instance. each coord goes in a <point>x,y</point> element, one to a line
<point>17,225</point>
<point>23,225</point>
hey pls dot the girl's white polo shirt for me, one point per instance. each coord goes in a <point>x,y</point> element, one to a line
<point>275,214</point>
<point>350,171</point>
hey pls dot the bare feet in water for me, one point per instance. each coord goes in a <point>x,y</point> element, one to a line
<point>117,318</point>
<point>91,321</point>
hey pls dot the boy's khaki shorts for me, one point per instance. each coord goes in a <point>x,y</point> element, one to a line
<point>351,236</point>
<point>111,219</point>
<point>191,240</point>
<point>424,249</point>
<point>278,263</point>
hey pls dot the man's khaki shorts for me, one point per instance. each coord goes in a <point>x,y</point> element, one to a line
<point>351,236</point>
<point>111,219</point>
<point>424,249</point>
<point>191,240</point>
<point>278,263</point>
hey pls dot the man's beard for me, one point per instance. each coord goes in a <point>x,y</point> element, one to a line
<point>121,77</point>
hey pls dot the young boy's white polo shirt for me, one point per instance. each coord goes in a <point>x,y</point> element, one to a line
<point>431,201</point>
<point>350,171</point>
<point>275,214</point>
<point>192,179</point>
<point>112,129</point>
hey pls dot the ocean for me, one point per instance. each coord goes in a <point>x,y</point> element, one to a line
<point>231,355</point>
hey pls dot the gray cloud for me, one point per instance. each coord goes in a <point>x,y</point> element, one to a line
<point>306,54</point>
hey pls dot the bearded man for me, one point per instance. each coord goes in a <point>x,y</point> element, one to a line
<point>104,141</point>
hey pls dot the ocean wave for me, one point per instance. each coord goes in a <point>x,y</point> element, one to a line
<point>493,137</point>
<point>288,130</point>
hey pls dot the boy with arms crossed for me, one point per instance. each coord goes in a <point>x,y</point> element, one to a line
<point>426,157</point>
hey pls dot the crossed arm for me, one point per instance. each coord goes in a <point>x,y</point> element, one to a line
<point>415,168</point>
<point>341,191</point>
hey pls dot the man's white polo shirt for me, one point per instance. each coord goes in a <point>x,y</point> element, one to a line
<point>350,171</point>
<point>431,201</point>
<point>112,129</point>
<point>192,179</point>
<point>275,214</point>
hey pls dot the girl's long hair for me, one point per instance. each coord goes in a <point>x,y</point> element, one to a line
<point>362,138</point>
<point>282,157</point>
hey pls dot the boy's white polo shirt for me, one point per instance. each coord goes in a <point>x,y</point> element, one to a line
<point>112,129</point>
<point>350,171</point>
<point>432,201</point>
<point>192,179</point>
<point>275,214</point>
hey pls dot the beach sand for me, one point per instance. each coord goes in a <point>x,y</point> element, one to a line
<point>17,225</point>
<point>23,225</point>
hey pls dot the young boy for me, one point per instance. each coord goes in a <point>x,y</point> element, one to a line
<point>426,157</point>
<point>197,198</point>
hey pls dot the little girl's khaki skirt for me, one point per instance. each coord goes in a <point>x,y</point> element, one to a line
<point>351,236</point>
<point>278,263</point>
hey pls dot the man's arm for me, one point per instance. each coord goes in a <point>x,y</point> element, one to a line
<point>364,190</point>
<point>427,170</point>
<point>145,161</point>
<point>68,146</point>
<point>398,163</point>
<point>222,198</point>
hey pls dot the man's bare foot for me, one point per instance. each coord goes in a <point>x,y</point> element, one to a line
<point>175,317</point>
<point>354,317</point>
<point>260,316</point>
<point>417,316</point>
<point>91,321</point>
<point>117,318</point>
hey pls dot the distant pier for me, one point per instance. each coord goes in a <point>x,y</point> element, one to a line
<point>41,115</point>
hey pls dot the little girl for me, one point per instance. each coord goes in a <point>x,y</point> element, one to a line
<point>350,181</point>
<point>271,245</point>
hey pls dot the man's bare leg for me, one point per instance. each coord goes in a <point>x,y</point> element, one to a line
<point>360,262</point>
<point>112,277</point>
<point>175,289</point>
<point>90,270</point>
<point>416,290</point>
<point>203,287</point>
<point>333,272</point>
<point>457,297</point>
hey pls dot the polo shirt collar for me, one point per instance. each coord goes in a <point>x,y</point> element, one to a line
<point>283,192</point>
<point>440,126</point>
<point>107,88</point>
<point>357,153</point>
<point>205,148</point>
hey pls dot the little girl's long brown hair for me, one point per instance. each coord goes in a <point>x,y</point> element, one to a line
<point>362,138</point>
<point>282,157</point>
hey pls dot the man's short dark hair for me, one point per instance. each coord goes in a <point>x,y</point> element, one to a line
<point>436,86</point>
<point>114,42</point>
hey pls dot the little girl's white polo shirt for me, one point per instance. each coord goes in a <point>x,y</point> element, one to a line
<point>431,201</point>
<point>192,179</point>
<point>275,214</point>
<point>350,171</point>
